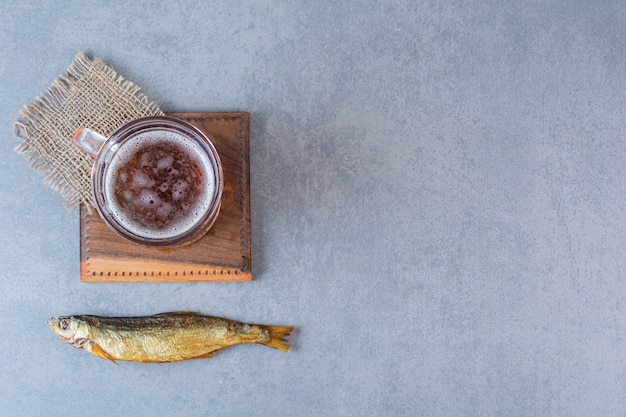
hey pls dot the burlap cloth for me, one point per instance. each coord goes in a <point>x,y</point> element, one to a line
<point>89,94</point>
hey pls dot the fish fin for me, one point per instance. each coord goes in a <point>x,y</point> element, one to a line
<point>277,337</point>
<point>97,350</point>
<point>204,356</point>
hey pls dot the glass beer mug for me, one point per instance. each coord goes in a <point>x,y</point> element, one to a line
<point>156,180</point>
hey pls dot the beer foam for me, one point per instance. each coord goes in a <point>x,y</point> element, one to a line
<point>180,224</point>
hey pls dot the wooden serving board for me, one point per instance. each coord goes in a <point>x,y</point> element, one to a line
<point>223,254</point>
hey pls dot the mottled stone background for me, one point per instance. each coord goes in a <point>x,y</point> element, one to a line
<point>438,205</point>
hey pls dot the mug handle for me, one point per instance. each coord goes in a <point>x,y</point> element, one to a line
<point>88,140</point>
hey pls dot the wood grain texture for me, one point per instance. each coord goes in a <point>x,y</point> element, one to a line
<point>223,254</point>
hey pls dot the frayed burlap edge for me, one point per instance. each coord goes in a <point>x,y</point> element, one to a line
<point>89,94</point>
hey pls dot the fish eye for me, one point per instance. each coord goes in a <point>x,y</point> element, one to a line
<point>63,324</point>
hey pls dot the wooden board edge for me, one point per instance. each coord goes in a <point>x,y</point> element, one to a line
<point>118,270</point>
<point>212,115</point>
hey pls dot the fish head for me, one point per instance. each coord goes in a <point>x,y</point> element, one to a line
<point>71,329</point>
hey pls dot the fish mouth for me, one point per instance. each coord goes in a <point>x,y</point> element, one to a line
<point>66,334</point>
<point>53,324</point>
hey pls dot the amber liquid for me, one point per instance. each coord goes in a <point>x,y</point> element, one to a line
<point>160,186</point>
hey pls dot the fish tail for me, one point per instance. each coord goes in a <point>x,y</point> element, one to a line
<point>277,337</point>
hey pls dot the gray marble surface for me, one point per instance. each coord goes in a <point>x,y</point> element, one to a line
<point>438,206</point>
